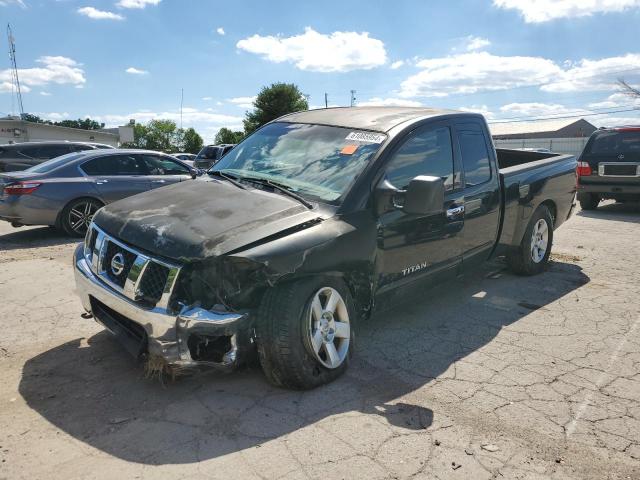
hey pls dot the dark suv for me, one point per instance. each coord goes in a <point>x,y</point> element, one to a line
<point>20,156</point>
<point>609,167</point>
<point>209,155</point>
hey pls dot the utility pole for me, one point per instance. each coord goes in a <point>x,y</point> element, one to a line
<point>14,69</point>
<point>353,98</point>
<point>181,104</point>
<point>326,100</point>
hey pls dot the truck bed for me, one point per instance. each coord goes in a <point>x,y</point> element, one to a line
<point>530,179</point>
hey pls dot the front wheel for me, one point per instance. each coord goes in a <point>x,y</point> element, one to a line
<point>533,253</point>
<point>305,332</point>
<point>77,215</point>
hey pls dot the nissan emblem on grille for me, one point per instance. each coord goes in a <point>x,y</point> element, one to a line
<point>117,264</point>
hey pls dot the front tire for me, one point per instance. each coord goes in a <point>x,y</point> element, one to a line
<point>305,332</point>
<point>531,257</point>
<point>589,201</point>
<point>77,215</point>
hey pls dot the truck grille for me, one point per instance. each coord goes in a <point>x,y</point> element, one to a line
<point>618,169</point>
<point>145,280</point>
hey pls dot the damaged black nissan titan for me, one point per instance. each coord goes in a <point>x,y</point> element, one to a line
<point>306,227</point>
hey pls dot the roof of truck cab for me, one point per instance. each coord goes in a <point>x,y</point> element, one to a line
<point>379,119</point>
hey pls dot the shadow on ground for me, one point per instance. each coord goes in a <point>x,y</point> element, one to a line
<point>91,390</point>
<point>28,238</point>
<point>622,212</point>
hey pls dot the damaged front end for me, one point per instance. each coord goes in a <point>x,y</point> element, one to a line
<point>132,295</point>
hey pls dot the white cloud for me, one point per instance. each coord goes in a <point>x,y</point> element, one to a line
<point>595,74</point>
<point>220,31</point>
<point>389,102</point>
<point>136,3</point>
<point>470,73</point>
<point>6,3</point>
<point>317,52</point>
<point>476,43</point>
<point>539,109</point>
<point>397,64</point>
<point>536,11</point>
<point>617,100</point>
<point>475,72</point>
<point>207,99</point>
<point>243,102</point>
<point>58,70</point>
<point>45,94</point>
<point>482,109</point>
<point>55,116</point>
<point>136,71</point>
<point>99,14</point>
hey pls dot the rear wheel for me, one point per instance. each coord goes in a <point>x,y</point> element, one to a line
<point>589,201</point>
<point>533,253</point>
<point>77,215</point>
<point>305,333</point>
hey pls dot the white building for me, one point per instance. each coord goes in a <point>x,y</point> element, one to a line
<point>15,130</point>
<point>561,135</point>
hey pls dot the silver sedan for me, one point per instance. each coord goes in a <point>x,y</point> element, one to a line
<point>66,191</point>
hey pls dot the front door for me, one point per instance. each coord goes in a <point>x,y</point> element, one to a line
<point>164,170</point>
<point>413,247</point>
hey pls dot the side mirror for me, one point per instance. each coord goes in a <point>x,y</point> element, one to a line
<point>194,173</point>
<point>424,196</point>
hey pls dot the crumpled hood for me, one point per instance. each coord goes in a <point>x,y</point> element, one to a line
<point>200,219</point>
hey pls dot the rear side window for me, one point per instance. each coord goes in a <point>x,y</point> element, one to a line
<point>475,158</point>
<point>427,151</point>
<point>613,142</point>
<point>209,153</point>
<point>114,165</point>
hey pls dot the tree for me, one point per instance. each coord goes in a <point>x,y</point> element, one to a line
<point>628,89</point>
<point>191,141</point>
<point>272,102</point>
<point>83,124</point>
<point>164,136</point>
<point>226,135</point>
<point>86,124</point>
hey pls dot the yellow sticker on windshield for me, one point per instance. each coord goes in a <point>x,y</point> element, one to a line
<point>349,150</point>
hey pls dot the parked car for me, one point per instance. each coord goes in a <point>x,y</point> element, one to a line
<point>209,155</point>
<point>609,167</point>
<point>308,225</point>
<point>20,156</point>
<point>67,191</point>
<point>187,158</point>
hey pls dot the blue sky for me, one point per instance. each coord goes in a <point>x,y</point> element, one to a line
<point>511,59</point>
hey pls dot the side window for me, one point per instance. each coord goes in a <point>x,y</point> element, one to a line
<point>114,165</point>
<point>52,151</point>
<point>80,148</point>
<point>157,165</point>
<point>475,158</point>
<point>427,151</point>
<point>28,152</point>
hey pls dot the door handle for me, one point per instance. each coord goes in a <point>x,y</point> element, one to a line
<point>157,181</point>
<point>455,211</point>
<point>101,182</point>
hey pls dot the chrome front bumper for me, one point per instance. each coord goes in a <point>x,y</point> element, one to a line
<point>165,335</point>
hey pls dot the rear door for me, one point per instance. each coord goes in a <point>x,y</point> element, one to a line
<point>481,192</point>
<point>613,155</point>
<point>117,176</point>
<point>414,247</point>
<point>163,170</point>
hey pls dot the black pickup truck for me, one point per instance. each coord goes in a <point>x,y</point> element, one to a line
<point>308,225</point>
<point>609,167</point>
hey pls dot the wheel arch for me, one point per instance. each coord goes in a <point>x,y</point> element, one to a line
<point>75,199</point>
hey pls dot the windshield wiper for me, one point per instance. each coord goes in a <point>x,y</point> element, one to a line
<point>281,188</point>
<point>228,177</point>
